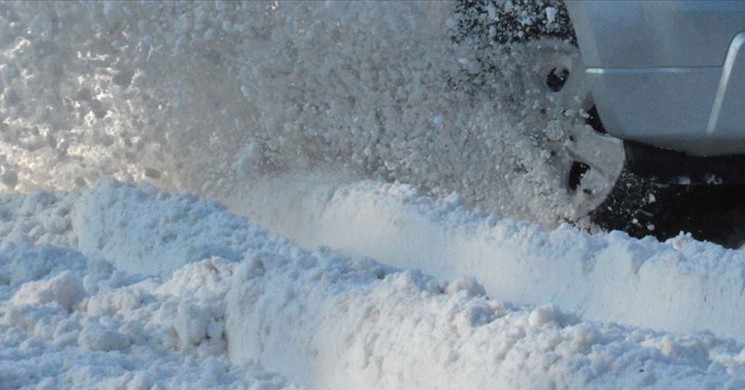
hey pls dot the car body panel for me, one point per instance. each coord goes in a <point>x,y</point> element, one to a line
<point>623,34</point>
<point>728,112</point>
<point>670,74</point>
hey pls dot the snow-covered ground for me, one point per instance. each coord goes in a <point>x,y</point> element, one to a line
<point>124,285</point>
<point>393,210</point>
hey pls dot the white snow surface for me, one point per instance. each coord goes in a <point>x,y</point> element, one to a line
<point>101,293</point>
<point>682,285</point>
<point>352,145</point>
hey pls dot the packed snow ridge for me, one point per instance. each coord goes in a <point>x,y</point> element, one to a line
<point>322,270</point>
<point>125,285</point>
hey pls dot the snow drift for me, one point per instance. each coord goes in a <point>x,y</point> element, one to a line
<point>319,318</point>
<point>681,285</point>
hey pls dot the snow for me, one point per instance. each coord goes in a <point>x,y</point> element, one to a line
<point>212,94</point>
<point>327,196</point>
<point>323,319</point>
<point>681,285</point>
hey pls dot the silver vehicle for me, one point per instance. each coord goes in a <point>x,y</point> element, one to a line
<point>669,76</point>
<point>667,79</point>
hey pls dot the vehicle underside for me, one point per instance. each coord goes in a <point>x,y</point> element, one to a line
<point>682,166</point>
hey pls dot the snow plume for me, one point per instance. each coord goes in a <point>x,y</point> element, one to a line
<point>203,96</point>
<point>317,318</point>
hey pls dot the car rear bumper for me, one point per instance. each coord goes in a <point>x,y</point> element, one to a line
<point>669,74</point>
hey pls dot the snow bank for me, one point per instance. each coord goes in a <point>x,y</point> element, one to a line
<point>681,285</point>
<point>122,332</point>
<point>69,320</point>
<point>341,325</point>
<point>318,318</point>
<point>142,230</point>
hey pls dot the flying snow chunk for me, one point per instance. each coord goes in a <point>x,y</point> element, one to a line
<point>551,14</point>
<point>248,159</point>
<point>246,92</point>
